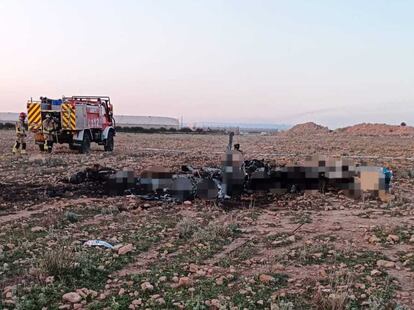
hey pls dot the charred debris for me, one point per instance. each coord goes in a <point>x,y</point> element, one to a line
<point>238,177</point>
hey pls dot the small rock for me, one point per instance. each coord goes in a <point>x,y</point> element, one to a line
<point>360,286</point>
<point>375,272</point>
<point>137,302</point>
<point>291,238</point>
<point>37,229</point>
<point>374,239</point>
<point>322,273</point>
<point>72,297</point>
<point>162,279</point>
<point>193,268</point>
<point>264,278</point>
<point>10,246</point>
<point>201,273</point>
<point>117,247</point>
<point>187,203</point>
<point>184,282</point>
<point>146,286</point>
<point>161,301</point>
<point>125,249</point>
<point>393,238</point>
<point>220,281</point>
<point>318,255</point>
<point>50,279</point>
<point>215,303</point>
<point>385,263</point>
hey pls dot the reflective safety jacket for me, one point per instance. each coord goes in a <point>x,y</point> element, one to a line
<point>48,126</point>
<point>20,129</point>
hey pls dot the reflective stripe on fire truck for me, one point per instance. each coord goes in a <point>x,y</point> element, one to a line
<point>68,117</point>
<point>34,116</point>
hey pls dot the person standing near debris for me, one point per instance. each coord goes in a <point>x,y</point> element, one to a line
<point>49,127</point>
<point>20,145</point>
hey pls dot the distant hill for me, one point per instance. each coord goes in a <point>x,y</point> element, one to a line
<point>377,130</point>
<point>308,128</point>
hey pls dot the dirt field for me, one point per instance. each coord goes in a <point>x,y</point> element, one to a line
<point>347,255</point>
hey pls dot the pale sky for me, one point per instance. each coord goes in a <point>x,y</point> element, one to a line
<point>332,62</point>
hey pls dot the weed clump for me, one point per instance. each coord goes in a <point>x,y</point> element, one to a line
<point>72,217</point>
<point>215,231</point>
<point>339,296</point>
<point>186,228</point>
<point>59,262</point>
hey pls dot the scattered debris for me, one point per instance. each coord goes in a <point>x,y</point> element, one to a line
<point>98,243</point>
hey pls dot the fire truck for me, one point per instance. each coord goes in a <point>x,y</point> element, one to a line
<point>78,121</point>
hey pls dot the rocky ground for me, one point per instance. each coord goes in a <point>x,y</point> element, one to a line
<point>293,252</point>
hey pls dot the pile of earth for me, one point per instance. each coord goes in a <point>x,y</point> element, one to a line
<point>378,130</point>
<point>308,128</point>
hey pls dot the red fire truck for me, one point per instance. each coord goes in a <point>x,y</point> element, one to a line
<point>78,120</point>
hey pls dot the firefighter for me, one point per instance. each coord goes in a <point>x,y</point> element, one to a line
<point>49,126</point>
<point>20,145</point>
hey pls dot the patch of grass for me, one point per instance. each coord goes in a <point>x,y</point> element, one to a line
<point>38,296</point>
<point>77,267</point>
<point>71,217</point>
<point>187,227</point>
<point>257,295</point>
<point>407,259</point>
<point>382,233</point>
<point>254,213</point>
<point>216,231</point>
<point>312,254</point>
<point>338,295</point>
<point>325,238</point>
<point>58,262</point>
<point>239,255</point>
<point>326,253</point>
<point>13,263</point>
<point>205,289</point>
<point>383,297</point>
<point>301,218</point>
<point>281,239</point>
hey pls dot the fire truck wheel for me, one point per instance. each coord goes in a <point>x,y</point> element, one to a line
<point>109,144</point>
<point>73,147</point>
<point>86,144</point>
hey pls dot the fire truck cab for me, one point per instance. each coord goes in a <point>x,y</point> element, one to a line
<point>78,121</point>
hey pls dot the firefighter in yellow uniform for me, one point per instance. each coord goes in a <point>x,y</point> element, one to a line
<point>49,126</point>
<point>20,145</point>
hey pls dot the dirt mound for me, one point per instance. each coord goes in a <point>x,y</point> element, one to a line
<point>378,130</point>
<point>308,128</point>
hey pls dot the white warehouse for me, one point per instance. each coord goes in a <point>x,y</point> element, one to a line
<point>147,122</point>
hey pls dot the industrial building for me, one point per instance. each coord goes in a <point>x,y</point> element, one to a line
<point>146,122</point>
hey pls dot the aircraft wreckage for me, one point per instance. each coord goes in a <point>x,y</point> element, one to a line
<point>237,177</point>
